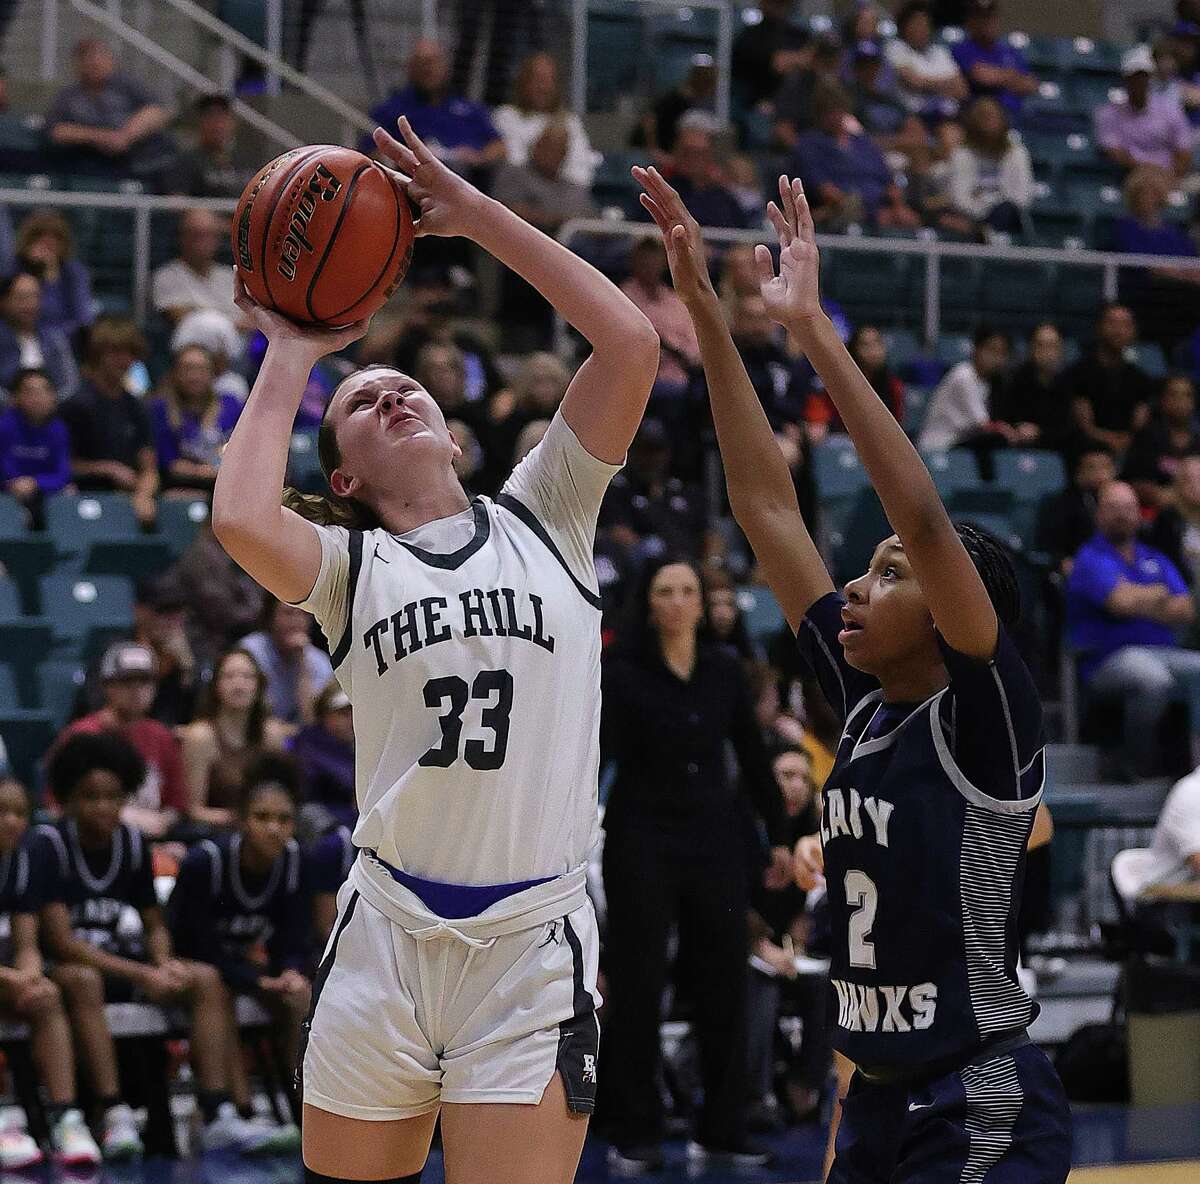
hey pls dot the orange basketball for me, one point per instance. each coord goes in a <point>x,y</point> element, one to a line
<point>322,235</point>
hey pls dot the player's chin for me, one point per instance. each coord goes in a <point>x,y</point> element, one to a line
<point>858,654</point>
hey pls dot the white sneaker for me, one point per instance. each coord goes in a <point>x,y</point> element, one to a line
<point>18,1148</point>
<point>250,1136</point>
<point>121,1139</point>
<point>73,1144</point>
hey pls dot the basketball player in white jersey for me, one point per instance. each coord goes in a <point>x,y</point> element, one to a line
<point>460,975</point>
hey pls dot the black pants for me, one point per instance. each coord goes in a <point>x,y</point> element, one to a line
<point>653,886</point>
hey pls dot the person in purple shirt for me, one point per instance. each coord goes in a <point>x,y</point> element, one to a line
<point>191,423</point>
<point>1125,602</point>
<point>46,248</point>
<point>324,751</point>
<point>844,172</point>
<point>1144,127</point>
<point>457,130</point>
<point>697,177</point>
<point>989,63</point>
<point>35,449</point>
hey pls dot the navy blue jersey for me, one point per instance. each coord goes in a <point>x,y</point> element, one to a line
<point>221,914</point>
<point>15,896</point>
<point>924,825</point>
<point>330,859</point>
<point>104,889</point>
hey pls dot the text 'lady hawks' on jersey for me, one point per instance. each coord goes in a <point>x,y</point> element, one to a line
<point>422,623</point>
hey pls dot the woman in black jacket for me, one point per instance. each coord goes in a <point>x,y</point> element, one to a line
<point>674,857</point>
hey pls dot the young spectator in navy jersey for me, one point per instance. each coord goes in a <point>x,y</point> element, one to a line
<point>325,752</point>
<point>329,862</point>
<point>240,905</point>
<point>35,450</point>
<point>93,879</point>
<point>27,995</point>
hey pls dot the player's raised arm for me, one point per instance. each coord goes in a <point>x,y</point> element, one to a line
<point>278,548</point>
<point>949,581</point>
<point>761,491</point>
<point>607,398</point>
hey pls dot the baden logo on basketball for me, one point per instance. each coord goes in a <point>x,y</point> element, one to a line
<point>323,185</point>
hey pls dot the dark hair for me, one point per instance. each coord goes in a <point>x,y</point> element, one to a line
<point>829,96</point>
<point>986,333</point>
<point>1090,447</point>
<point>993,561</point>
<point>25,374</point>
<point>739,639</point>
<point>1111,305</point>
<point>7,282</point>
<point>7,779</point>
<point>72,760</point>
<point>908,11</point>
<point>210,704</point>
<point>269,769</point>
<point>211,102</point>
<point>637,637</point>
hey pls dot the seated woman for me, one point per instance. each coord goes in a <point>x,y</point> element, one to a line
<point>232,727</point>
<point>46,247</point>
<point>869,349</point>
<point>325,752</point>
<point>240,905</point>
<point>991,177</point>
<point>26,343</point>
<point>192,423</point>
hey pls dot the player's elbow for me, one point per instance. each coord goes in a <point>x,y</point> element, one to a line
<point>641,346</point>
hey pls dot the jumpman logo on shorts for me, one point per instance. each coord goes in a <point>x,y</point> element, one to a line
<point>552,935</point>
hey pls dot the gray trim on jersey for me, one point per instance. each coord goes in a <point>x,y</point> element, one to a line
<point>235,875</point>
<point>85,873</point>
<point>994,1100</point>
<point>992,845</point>
<point>973,793</point>
<point>56,839</point>
<point>879,743</point>
<point>338,654</point>
<point>22,872</point>
<point>530,519</point>
<point>214,864</point>
<point>455,559</point>
<point>833,665</point>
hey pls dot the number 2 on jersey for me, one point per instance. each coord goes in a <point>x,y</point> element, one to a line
<point>450,695</point>
<point>863,896</point>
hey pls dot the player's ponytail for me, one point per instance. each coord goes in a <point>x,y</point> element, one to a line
<point>994,563</point>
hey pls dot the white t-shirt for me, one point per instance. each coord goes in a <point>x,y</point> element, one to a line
<point>176,285</point>
<point>958,405</point>
<point>520,130</point>
<point>933,64</point>
<point>470,650</point>
<point>1176,835</point>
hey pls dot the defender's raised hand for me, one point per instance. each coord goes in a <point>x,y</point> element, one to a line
<point>793,295</point>
<point>681,236</point>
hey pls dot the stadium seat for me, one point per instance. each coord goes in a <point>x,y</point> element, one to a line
<point>952,348</point>
<point>760,612</point>
<point>1149,355</point>
<point>961,281</point>
<point>916,402</point>
<point>952,471</point>
<point>614,48</point>
<point>179,521</point>
<point>26,735</point>
<point>304,466</point>
<point>873,286</point>
<point>135,558</point>
<point>903,349</point>
<point>75,521</point>
<point>59,682</point>
<point>10,695</point>
<point>860,533</point>
<point>88,611</point>
<point>26,558</point>
<point>1012,288</point>
<point>1031,474</point>
<point>837,470</point>
<point>614,186</point>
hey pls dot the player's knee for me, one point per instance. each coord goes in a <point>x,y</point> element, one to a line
<point>311,1177</point>
<point>48,1001</point>
<point>82,985</point>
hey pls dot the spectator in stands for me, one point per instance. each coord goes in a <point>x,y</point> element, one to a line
<point>697,177</point>
<point>656,129</point>
<point>441,368</point>
<point>1110,396</point>
<point>160,623</point>
<point>324,751</point>
<point>797,102</point>
<point>1125,604</point>
<point>296,670</point>
<point>209,169</point>
<point>1174,856</point>
<point>211,331</point>
<point>647,287</point>
<point>773,372</point>
<point>845,175</point>
<point>328,861</point>
<point>112,442</point>
<point>673,705</point>
<point>459,132</point>
<point>46,248</point>
<point>536,391</point>
<point>875,99</point>
<point>766,53</point>
<point>1170,82</point>
<point>1032,398</point>
<point>233,726</point>
<point>1067,519</point>
<point>960,408</point>
<point>129,677</point>
<point>930,82</point>
<point>1175,530</point>
<point>35,450</point>
<point>191,424</point>
<point>27,996</point>
<point>223,602</point>
<point>991,65</point>
<point>240,906</point>
<point>1170,434</point>
<point>868,348</point>
<point>726,623</point>
<point>1146,128</point>
<point>991,176</point>
<point>195,279</point>
<point>92,869</point>
<point>108,122</point>
<point>538,104</point>
<point>26,342</point>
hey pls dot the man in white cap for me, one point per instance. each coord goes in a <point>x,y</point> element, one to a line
<point>1145,128</point>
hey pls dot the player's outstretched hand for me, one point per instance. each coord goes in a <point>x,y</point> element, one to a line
<point>808,862</point>
<point>278,330</point>
<point>450,205</point>
<point>792,296</point>
<point>681,236</point>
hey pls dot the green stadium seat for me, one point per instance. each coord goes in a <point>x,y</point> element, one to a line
<point>614,49</point>
<point>760,612</point>
<point>864,527</point>
<point>903,347</point>
<point>27,736</point>
<point>952,348</point>
<point>837,470</point>
<point>614,186</point>
<point>999,525</point>
<point>179,521</point>
<point>26,558</point>
<point>9,694</point>
<point>304,465</point>
<point>1089,91</point>
<point>916,403</point>
<point>1055,226</point>
<point>13,518</point>
<point>1149,355</point>
<point>952,471</point>
<point>1045,54</point>
<point>1085,55</point>
<point>878,286</point>
<point>88,611</point>
<point>135,558</point>
<point>59,683</point>
<point>1079,292</point>
<point>75,521</point>
<point>24,640</point>
<point>1030,474</point>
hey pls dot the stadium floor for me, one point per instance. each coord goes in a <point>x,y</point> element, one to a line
<point>1113,1145</point>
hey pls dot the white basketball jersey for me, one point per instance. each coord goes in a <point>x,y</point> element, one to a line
<point>470,650</point>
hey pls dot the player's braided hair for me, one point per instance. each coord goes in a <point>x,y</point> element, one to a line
<point>995,566</point>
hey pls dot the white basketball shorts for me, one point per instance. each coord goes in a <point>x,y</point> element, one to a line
<point>400,1023</point>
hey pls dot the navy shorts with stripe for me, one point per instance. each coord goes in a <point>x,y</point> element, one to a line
<point>1001,1121</point>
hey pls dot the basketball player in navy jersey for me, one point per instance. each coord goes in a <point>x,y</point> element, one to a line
<point>459,979</point>
<point>939,770</point>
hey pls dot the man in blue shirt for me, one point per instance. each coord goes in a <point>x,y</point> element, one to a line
<point>1125,602</point>
<point>457,130</point>
<point>990,65</point>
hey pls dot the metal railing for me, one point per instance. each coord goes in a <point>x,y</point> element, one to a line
<point>931,250</point>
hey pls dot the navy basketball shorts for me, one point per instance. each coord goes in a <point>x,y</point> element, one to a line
<point>1002,1120</point>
